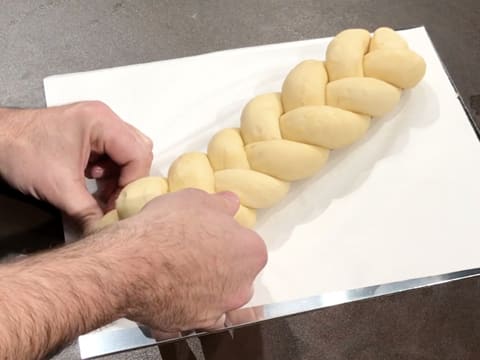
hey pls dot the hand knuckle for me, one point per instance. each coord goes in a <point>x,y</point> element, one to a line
<point>263,255</point>
<point>149,156</point>
<point>258,248</point>
<point>94,107</point>
<point>149,144</point>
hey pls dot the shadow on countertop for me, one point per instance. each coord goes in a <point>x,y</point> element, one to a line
<point>26,224</point>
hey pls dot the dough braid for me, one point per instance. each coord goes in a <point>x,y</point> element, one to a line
<point>287,136</point>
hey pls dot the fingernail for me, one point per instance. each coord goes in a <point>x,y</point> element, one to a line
<point>97,172</point>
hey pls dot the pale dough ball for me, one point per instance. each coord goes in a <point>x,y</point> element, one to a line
<point>226,151</point>
<point>402,68</point>
<point>286,160</point>
<point>259,120</point>
<point>246,217</point>
<point>305,85</point>
<point>135,195</point>
<point>363,95</point>
<point>108,219</point>
<point>326,126</point>
<point>191,170</point>
<point>387,38</point>
<point>254,189</point>
<point>344,57</point>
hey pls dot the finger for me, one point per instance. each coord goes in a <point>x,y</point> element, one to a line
<point>101,169</point>
<point>75,200</point>
<point>227,202</point>
<point>144,138</point>
<point>89,172</point>
<point>244,316</point>
<point>216,325</point>
<point>94,171</point>
<point>107,192</point>
<point>127,149</point>
<point>241,298</point>
<point>240,316</point>
<point>134,170</point>
<point>110,203</point>
<point>219,324</point>
<point>164,335</point>
<point>94,157</point>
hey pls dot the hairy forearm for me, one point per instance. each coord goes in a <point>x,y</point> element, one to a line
<point>48,300</point>
<point>12,125</point>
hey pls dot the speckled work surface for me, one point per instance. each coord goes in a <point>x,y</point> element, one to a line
<point>41,38</point>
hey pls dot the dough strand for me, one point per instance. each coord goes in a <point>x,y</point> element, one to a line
<point>287,136</point>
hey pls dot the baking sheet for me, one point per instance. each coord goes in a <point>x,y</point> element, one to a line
<point>399,204</point>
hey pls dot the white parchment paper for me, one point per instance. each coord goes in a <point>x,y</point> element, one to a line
<point>401,203</point>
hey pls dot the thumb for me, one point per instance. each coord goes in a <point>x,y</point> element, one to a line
<point>228,202</point>
<point>80,205</point>
<point>219,323</point>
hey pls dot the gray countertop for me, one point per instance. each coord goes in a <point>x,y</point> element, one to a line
<point>41,38</point>
<point>45,37</point>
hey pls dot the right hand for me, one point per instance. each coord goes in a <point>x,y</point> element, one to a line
<point>189,262</point>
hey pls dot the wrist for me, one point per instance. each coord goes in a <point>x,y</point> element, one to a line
<point>10,123</point>
<point>112,273</point>
<point>6,135</point>
<point>13,123</point>
<point>146,280</point>
<point>124,266</point>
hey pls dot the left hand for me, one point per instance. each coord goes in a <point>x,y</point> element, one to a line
<point>48,152</point>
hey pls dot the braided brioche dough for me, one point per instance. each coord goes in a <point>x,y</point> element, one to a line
<point>363,95</point>
<point>259,120</point>
<point>287,136</point>
<point>326,126</point>
<point>255,189</point>
<point>225,151</point>
<point>135,195</point>
<point>385,38</point>
<point>286,160</point>
<point>191,170</point>
<point>305,85</point>
<point>345,54</point>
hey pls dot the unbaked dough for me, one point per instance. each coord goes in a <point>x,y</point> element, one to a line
<point>191,170</point>
<point>226,151</point>
<point>287,136</point>
<point>305,85</point>
<point>135,195</point>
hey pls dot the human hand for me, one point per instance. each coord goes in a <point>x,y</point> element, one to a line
<point>48,152</point>
<point>187,260</point>
<point>178,265</point>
